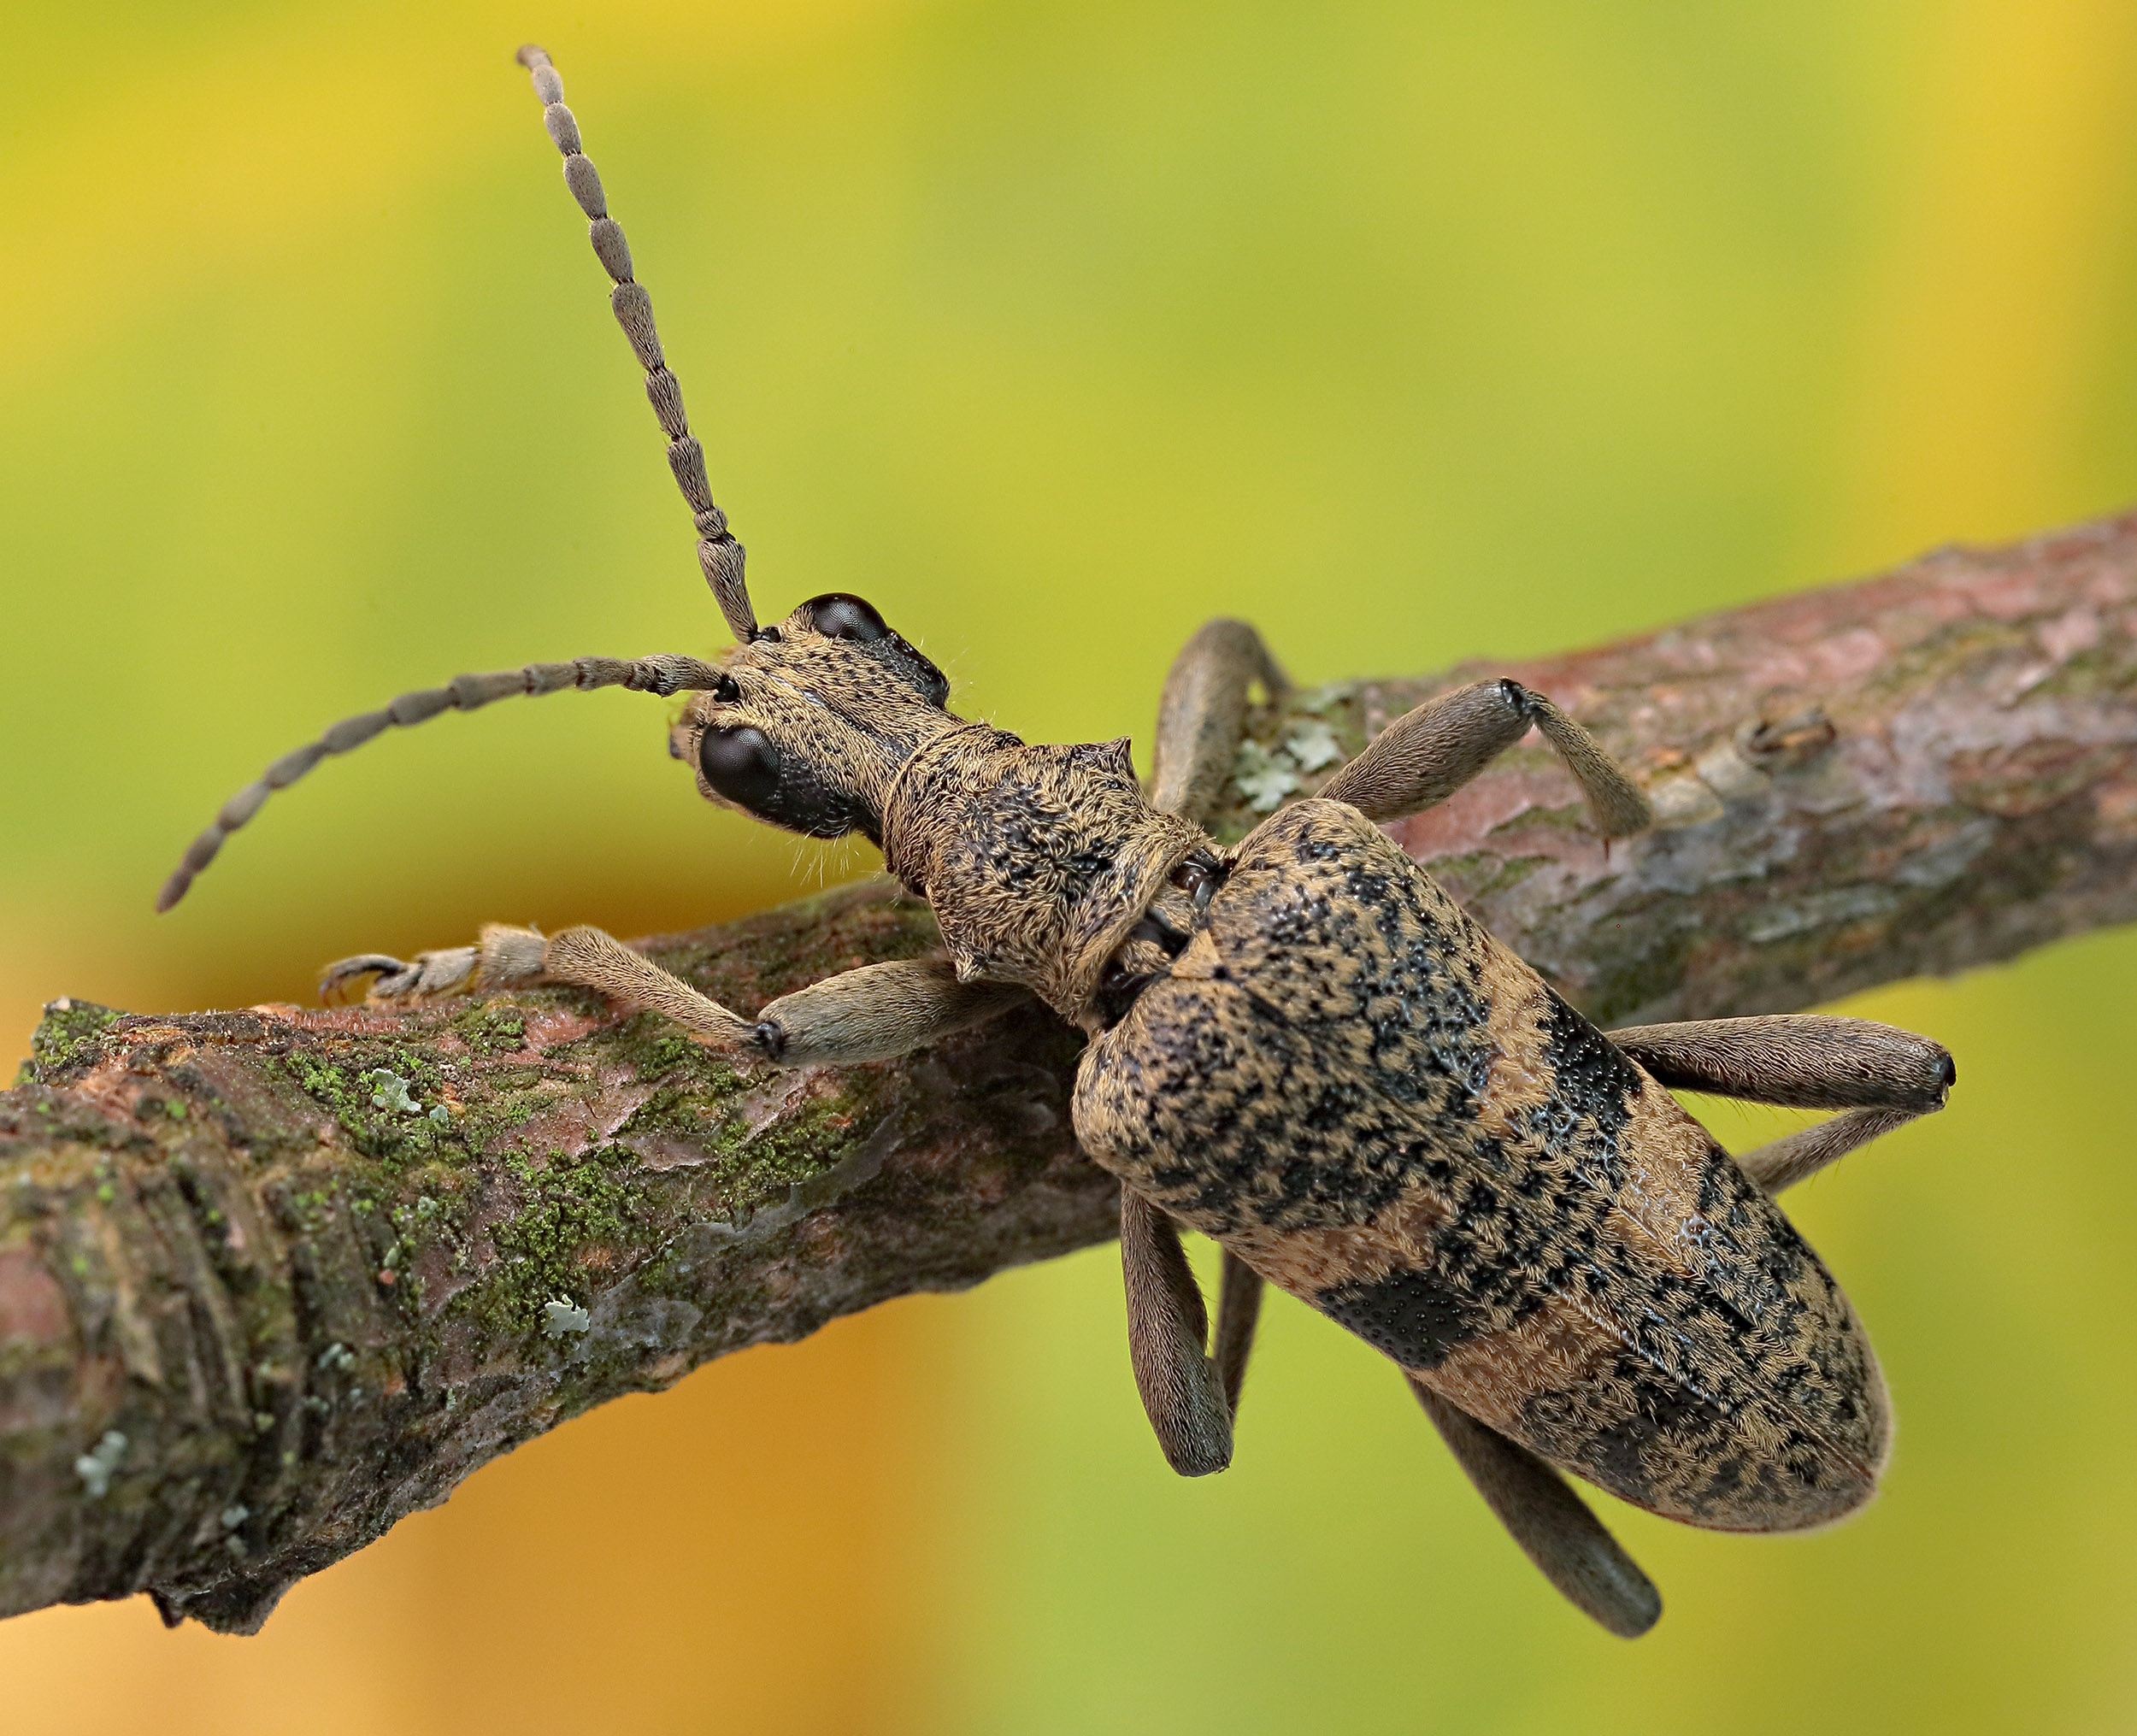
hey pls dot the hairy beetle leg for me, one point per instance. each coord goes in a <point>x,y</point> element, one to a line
<point>1553,1526</point>
<point>1880,1076</point>
<point>1239,1310</point>
<point>1202,713</point>
<point>1168,1328</point>
<point>1425,755</point>
<point>1781,1163</point>
<point>876,1012</point>
<point>871,1014</point>
<point>1419,759</point>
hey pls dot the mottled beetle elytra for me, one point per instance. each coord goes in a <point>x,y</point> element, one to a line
<point>1298,1045</point>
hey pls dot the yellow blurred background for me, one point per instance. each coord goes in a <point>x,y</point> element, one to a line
<point>1412,331</point>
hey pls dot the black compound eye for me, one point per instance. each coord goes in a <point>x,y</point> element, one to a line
<point>838,616</point>
<point>740,764</point>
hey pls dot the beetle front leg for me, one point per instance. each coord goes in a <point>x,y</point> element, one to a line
<point>1553,1526</point>
<point>871,1014</point>
<point>507,957</point>
<point>504,957</point>
<point>1167,1329</point>
<point>1878,1075</point>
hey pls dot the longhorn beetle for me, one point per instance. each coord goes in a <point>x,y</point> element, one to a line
<point>1300,1046</point>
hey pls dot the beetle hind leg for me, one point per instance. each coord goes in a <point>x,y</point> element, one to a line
<point>1571,1546</point>
<point>1878,1076</point>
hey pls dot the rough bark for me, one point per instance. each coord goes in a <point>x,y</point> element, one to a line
<point>271,1279</point>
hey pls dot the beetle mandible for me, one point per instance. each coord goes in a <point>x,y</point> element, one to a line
<point>1300,1046</point>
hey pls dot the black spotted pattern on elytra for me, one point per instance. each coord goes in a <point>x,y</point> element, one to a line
<point>1593,1090</point>
<point>1411,1316</point>
<point>1324,1052</point>
<point>1265,1133</point>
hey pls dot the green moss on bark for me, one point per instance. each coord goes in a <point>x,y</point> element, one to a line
<point>65,1040</point>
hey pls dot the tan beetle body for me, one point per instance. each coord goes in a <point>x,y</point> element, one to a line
<point>1299,1045</point>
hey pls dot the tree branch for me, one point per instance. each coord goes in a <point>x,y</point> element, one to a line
<point>272,1280</point>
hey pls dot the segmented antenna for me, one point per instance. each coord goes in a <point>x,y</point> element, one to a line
<point>718,552</point>
<point>664,675</point>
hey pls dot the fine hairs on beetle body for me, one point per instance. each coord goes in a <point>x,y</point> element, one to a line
<point>1299,1045</point>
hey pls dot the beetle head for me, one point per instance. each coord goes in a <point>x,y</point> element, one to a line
<point>812,718</point>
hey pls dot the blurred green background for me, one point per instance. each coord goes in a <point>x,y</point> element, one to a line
<point>1411,331</point>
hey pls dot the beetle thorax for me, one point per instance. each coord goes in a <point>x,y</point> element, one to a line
<point>1037,860</point>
